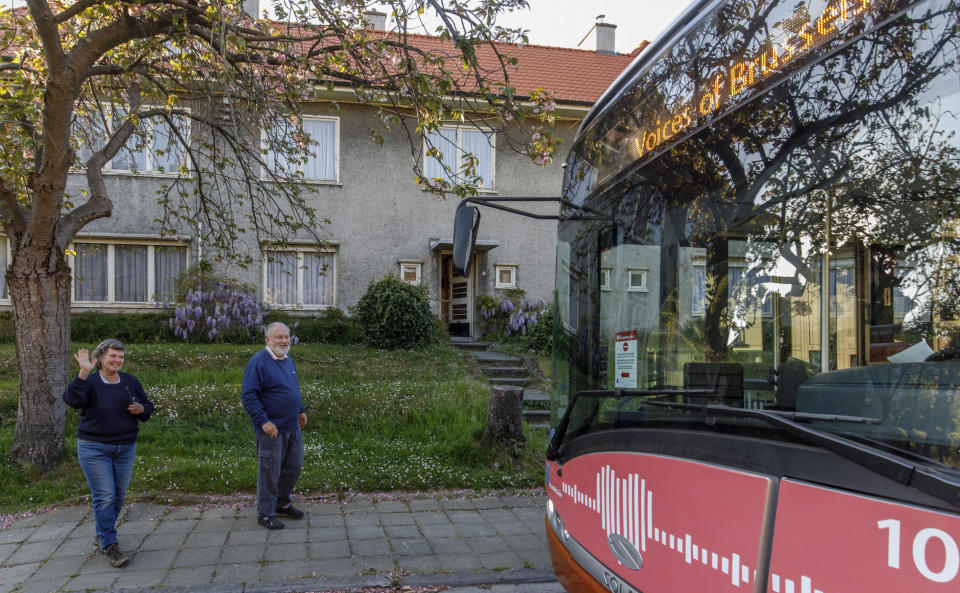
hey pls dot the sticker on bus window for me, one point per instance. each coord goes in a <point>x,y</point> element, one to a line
<point>625,360</point>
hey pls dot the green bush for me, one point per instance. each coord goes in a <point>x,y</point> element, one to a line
<point>393,314</point>
<point>540,338</point>
<point>332,326</point>
<point>94,326</point>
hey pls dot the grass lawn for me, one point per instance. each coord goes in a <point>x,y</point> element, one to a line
<point>378,420</point>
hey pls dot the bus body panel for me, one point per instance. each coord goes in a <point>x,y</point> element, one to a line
<point>829,540</point>
<point>695,526</point>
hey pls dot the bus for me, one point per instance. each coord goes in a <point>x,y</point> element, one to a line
<point>756,351</point>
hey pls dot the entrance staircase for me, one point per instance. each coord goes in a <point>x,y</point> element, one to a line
<point>509,369</point>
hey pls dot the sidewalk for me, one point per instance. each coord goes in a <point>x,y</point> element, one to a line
<point>417,541</point>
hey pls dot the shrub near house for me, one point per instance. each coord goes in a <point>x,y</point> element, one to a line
<point>395,314</point>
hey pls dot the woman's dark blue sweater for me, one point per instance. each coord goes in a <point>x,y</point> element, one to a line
<point>105,418</point>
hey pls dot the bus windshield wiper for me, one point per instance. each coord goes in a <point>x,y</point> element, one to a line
<point>881,462</point>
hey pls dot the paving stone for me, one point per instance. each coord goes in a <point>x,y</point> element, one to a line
<point>458,562</point>
<point>323,508</point>
<point>57,567</point>
<point>515,528</point>
<point>242,553</point>
<point>363,532</point>
<point>370,547</point>
<point>154,559</point>
<point>527,542</point>
<point>43,585</point>
<point>432,531</point>
<point>204,539</point>
<point>456,503</point>
<point>191,576</point>
<point>424,504</point>
<point>30,553</point>
<point>235,574</point>
<point>419,563</point>
<point>145,511</point>
<point>411,547</point>
<point>140,577</point>
<point>402,531</point>
<point>226,512</point>
<point>80,546</point>
<point>488,502</point>
<point>250,536</point>
<point>175,526</point>
<point>96,564</point>
<point>525,501</point>
<point>220,524</point>
<point>6,550</point>
<point>291,535</point>
<point>397,519</point>
<point>30,522</point>
<point>431,517</point>
<point>500,560</point>
<point>162,541</point>
<point>486,545</point>
<point>191,557</point>
<point>286,552</point>
<point>18,574</point>
<point>137,528</point>
<point>14,536</point>
<point>324,534</point>
<point>333,567</point>
<point>449,545</point>
<point>474,528</point>
<point>73,515</point>
<point>357,506</point>
<point>374,564</point>
<point>91,581</point>
<point>332,549</point>
<point>362,520</point>
<point>392,506</point>
<point>278,571</point>
<point>182,513</point>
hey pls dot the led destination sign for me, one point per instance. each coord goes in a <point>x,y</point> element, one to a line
<point>803,32</point>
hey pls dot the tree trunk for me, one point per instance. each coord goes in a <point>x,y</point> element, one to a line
<point>41,317</point>
<point>504,416</point>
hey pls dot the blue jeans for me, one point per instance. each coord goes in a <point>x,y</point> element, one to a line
<point>279,461</point>
<point>108,469</point>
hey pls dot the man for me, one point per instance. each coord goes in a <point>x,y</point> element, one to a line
<point>271,394</point>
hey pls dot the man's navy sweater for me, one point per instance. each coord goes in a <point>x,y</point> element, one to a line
<point>271,393</point>
<point>104,408</point>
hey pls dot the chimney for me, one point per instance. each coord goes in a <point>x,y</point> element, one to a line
<point>251,7</point>
<point>375,20</point>
<point>606,38</point>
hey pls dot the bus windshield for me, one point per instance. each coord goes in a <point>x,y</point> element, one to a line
<point>785,240</point>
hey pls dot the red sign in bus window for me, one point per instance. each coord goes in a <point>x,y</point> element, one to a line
<point>827,541</point>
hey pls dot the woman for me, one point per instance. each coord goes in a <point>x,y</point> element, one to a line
<point>111,404</point>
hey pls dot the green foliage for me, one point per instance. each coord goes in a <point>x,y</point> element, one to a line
<point>540,338</point>
<point>94,326</point>
<point>378,420</point>
<point>394,314</point>
<point>517,323</point>
<point>332,326</point>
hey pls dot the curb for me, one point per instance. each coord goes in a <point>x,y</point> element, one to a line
<point>514,576</point>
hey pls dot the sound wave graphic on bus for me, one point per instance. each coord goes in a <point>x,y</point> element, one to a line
<point>625,507</point>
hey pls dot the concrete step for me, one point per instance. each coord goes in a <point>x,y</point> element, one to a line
<point>470,345</point>
<point>489,359</point>
<point>535,395</point>
<point>505,371</point>
<point>536,415</point>
<point>518,381</point>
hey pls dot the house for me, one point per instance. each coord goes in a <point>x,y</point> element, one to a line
<point>381,221</point>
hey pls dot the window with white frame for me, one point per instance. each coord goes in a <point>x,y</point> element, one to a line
<point>155,148</point>
<point>506,276</point>
<point>126,272</point>
<point>410,272</point>
<point>605,279</point>
<point>454,147</point>
<point>322,161</point>
<point>637,280</point>
<point>699,295</point>
<point>299,277</point>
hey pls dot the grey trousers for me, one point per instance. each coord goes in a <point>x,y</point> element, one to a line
<point>280,460</point>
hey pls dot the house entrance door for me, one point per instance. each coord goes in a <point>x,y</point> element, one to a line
<point>460,306</point>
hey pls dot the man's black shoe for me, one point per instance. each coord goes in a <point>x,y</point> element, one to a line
<point>290,511</point>
<point>269,522</point>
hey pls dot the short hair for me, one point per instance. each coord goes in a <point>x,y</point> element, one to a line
<point>269,328</point>
<point>108,344</point>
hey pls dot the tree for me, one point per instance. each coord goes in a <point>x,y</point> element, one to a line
<point>83,81</point>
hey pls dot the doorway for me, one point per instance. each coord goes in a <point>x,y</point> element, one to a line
<point>456,299</point>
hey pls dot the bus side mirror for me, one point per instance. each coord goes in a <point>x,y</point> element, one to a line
<point>466,224</point>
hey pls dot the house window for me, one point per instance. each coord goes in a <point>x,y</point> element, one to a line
<point>636,281</point>
<point>605,279</point>
<point>126,272</point>
<point>154,148</point>
<point>300,278</point>
<point>410,272</point>
<point>454,146</point>
<point>506,277</point>
<point>322,161</point>
<point>699,296</point>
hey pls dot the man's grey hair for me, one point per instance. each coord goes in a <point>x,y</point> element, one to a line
<point>108,344</point>
<point>269,328</point>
